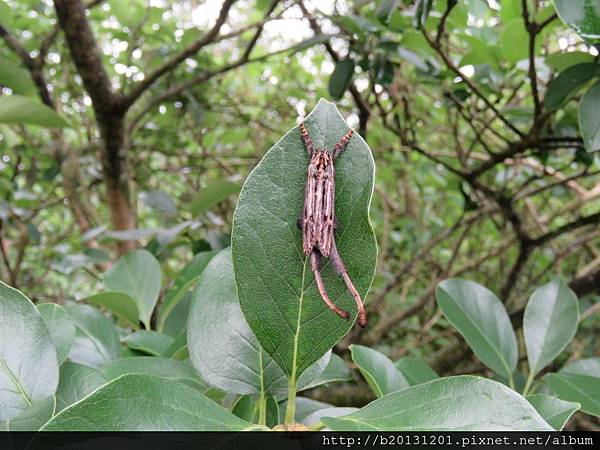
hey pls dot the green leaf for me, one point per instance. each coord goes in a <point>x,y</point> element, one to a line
<point>222,347</point>
<point>554,410</point>
<point>150,342</point>
<point>146,403</point>
<point>27,111</point>
<point>482,320</point>
<point>15,77</point>
<point>568,83</point>
<point>316,416</point>
<point>581,15</point>
<point>561,61</point>
<point>159,201</point>
<point>213,194</point>
<point>549,323</point>
<point>336,370</point>
<point>578,382</point>
<point>183,283</point>
<point>415,370</point>
<point>276,288</point>
<point>341,78</point>
<point>422,9</point>
<point>511,9</point>
<point>160,367</point>
<point>28,363</point>
<point>483,404</point>
<point>61,328</point>
<point>589,118</point>
<point>122,305</point>
<point>76,382</point>
<point>96,340</point>
<point>385,9</point>
<point>32,418</point>
<point>514,31</point>
<point>378,370</point>
<point>138,275</point>
<point>310,42</point>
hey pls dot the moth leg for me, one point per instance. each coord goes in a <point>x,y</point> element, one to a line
<point>308,143</point>
<point>315,263</point>
<point>340,267</point>
<point>341,145</point>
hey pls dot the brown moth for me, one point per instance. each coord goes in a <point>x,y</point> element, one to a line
<point>318,221</point>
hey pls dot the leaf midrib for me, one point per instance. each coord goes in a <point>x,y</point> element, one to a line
<point>15,381</point>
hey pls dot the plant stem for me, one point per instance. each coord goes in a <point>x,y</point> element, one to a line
<point>511,381</point>
<point>262,409</point>
<point>290,410</point>
<point>528,383</point>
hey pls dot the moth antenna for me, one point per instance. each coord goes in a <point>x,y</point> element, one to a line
<point>341,145</point>
<point>308,143</point>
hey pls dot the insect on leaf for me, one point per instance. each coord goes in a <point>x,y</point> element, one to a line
<point>276,288</point>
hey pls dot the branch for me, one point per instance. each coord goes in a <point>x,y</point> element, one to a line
<point>86,55</point>
<point>33,65</point>
<point>200,78</point>
<point>172,63</point>
<point>362,105</point>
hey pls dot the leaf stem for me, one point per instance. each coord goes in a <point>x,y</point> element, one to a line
<point>511,381</point>
<point>262,409</point>
<point>530,378</point>
<point>290,410</point>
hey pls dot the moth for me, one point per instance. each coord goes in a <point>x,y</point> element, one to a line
<point>318,221</point>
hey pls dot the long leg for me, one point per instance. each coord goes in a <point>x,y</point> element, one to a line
<point>315,263</point>
<point>341,145</point>
<point>340,267</point>
<point>307,140</point>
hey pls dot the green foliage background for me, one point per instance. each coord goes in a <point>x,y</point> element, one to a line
<point>120,173</point>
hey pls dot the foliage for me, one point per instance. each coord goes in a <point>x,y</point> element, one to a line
<point>154,292</point>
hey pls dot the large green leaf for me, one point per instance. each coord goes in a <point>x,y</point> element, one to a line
<point>341,78</point>
<point>378,370</point>
<point>122,305</point>
<point>578,382</point>
<point>150,342</point>
<point>27,111</point>
<point>181,286</point>
<point>146,403</point>
<point>96,340</point>
<point>336,370</point>
<point>211,195</point>
<point>514,31</point>
<point>589,118</point>
<point>276,287</point>
<point>28,362</point>
<point>568,82</point>
<point>161,367</point>
<point>482,320</point>
<point>549,323</point>
<point>15,77</point>
<point>464,403</point>
<point>415,370</point>
<point>554,410</point>
<point>60,326</point>
<point>222,347</point>
<point>138,275</point>
<point>581,15</point>
<point>76,382</point>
